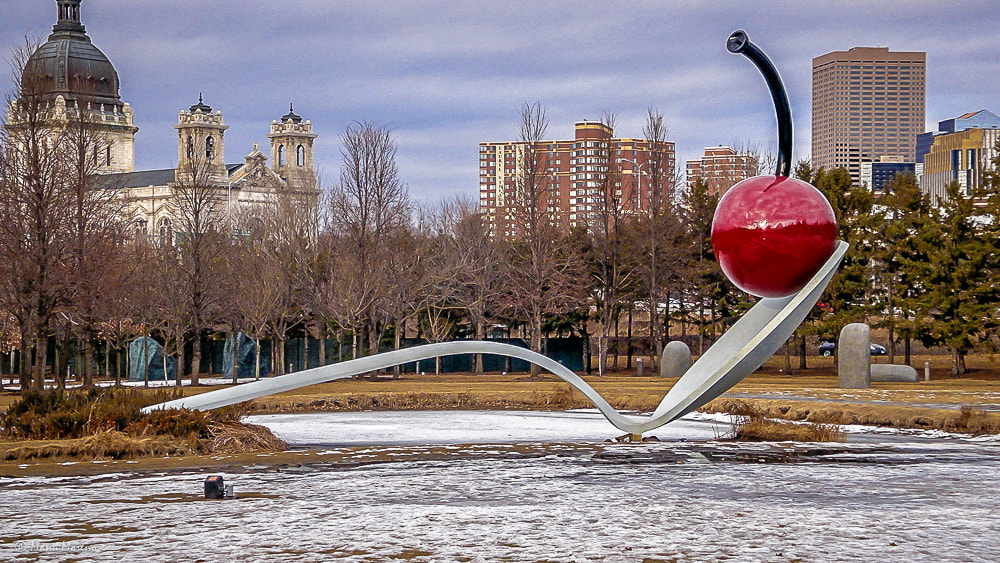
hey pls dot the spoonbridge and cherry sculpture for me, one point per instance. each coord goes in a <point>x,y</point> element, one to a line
<point>774,236</point>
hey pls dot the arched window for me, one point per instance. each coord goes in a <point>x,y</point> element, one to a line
<point>166,231</point>
<point>190,148</point>
<point>210,148</point>
<point>281,155</point>
<point>139,228</point>
<point>300,156</point>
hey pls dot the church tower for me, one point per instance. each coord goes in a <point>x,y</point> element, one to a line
<point>74,81</point>
<point>292,150</point>
<point>201,145</point>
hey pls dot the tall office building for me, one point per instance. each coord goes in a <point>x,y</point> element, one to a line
<point>867,103</point>
<point>574,169</point>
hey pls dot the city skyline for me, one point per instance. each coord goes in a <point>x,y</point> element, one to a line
<point>446,76</point>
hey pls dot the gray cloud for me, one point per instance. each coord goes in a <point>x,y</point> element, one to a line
<point>447,75</point>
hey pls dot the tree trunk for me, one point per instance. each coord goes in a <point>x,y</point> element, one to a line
<point>477,360</point>
<point>788,355</point>
<point>536,340</point>
<point>88,359</point>
<point>372,338</point>
<point>280,345</point>
<point>906,351</point>
<point>196,358</point>
<point>354,343</point>
<point>145,362</point>
<point>305,350</point>
<point>234,354</point>
<point>398,324</point>
<point>892,344</point>
<point>628,357</point>
<point>617,339</point>
<point>802,352</point>
<point>256,366</point>
<point>322,344</point>
<point>61,367</point>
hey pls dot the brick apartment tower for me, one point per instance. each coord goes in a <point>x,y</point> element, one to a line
<point>575,166</point>
<point>867,103</point>
<point>721,168</point>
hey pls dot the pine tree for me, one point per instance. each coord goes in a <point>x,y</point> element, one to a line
<point>960,298</point>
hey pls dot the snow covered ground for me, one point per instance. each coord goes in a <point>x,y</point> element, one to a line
<point>914,499</point>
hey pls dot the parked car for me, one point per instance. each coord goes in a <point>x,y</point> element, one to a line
<point>827,348</point>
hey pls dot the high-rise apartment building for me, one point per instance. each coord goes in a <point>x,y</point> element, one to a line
<point>721,168</point>
<point>574,170</point>
<point>867,102</point>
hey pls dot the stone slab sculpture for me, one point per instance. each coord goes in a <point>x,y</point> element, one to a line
<point>675,360</point>
<point>854,357</point>
<point>894,373</point>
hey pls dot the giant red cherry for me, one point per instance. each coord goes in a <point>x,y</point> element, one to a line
<point>772,234</point>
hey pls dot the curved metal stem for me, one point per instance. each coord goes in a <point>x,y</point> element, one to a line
<point>739,43</point>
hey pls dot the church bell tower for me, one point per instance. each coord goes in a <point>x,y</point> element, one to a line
<point>201,145</point>
<point>292,150</point>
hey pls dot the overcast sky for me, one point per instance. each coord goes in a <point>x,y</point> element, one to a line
<point>445,76</point>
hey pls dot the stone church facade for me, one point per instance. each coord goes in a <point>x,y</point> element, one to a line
<point>75,80</point>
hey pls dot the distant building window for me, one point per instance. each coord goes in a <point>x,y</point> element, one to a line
<point>139,229</point>
<point>210,148</point>
<point>300,156</point>
<point>166,231</point>
<point>281,155</point>
<point>190,148</point>
<point>107,156</point>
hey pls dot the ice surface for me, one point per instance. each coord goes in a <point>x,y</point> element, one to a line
<point>927,498</point>
<point>465,427</point>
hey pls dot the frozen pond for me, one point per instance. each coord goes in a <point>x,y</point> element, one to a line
<point>466,427</point>
<point>927,500</point>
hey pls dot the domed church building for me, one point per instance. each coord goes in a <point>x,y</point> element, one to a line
<point>72,79</point>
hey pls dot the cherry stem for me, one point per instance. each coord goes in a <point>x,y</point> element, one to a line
<point>739,43</point>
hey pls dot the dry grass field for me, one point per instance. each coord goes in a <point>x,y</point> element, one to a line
<point>810,395</point>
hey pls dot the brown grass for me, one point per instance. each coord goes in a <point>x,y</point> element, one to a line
<point>237,438</point>
<point>110,444</point>
<point>967,419</point>
<point>751,424</point>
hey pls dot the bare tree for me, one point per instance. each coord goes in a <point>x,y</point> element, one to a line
<point>474,256</point>
<point>35,239</point>
<point>656,237</point>
<point>611,273</point>
<point>367,208</point>
<point>199,204</point>
<point>543,269</point>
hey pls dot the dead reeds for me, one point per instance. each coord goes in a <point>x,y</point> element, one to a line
<point>966,420</point>
<point>749,423</point>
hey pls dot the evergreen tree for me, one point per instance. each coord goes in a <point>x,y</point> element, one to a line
<point>960,295</point>
<point>901,256</point>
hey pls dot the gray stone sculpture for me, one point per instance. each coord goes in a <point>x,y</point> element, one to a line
<point>676,359</point>
<point>740,351</point>
<point>894,373</point>
<point>854,357</point>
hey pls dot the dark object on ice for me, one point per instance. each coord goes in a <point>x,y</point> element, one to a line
<point>215,487</point>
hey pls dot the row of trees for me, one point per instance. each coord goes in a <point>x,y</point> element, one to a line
<point>923,270</point>
<point>368,263</point>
